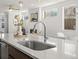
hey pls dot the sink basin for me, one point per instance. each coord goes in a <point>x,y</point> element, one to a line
<point>35,45</point>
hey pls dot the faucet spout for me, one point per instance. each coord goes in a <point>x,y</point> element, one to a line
<point>45,38</point>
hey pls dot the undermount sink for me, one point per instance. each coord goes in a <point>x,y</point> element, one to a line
<point>35,45</point>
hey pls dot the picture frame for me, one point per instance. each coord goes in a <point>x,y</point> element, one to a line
<point>50,13</point>
<point>34,17</point>
<point>69,18</point>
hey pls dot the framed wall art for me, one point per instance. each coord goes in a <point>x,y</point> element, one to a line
<point>69,16</point>
<point>50,13</point>
<point>34,17</point>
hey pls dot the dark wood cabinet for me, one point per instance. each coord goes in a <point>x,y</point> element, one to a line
<point>16,54</point>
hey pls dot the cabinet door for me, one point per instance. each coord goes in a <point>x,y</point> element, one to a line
<point>16,54</point>
<point>10,57</point>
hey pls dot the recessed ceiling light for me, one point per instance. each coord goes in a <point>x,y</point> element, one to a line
<point>20,3</point>
<point>10,9</point>
<point>32,4</point>
<point>39,0</point>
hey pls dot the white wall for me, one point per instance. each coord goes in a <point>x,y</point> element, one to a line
<point>54,24</point>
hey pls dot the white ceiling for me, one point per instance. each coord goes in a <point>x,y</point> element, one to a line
<point>27,3</point>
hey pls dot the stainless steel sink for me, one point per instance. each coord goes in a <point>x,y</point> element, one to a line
<point>35,45</point>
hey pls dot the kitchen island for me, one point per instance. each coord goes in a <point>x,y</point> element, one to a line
<point>65,48</point>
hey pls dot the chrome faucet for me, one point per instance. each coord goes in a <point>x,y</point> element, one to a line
<point>45,38</point>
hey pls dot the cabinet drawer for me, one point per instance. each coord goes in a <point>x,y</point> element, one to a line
<point>16,54</point>
<point>10,57</point>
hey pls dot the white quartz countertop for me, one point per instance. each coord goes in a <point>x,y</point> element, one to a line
<point>65,49</point>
